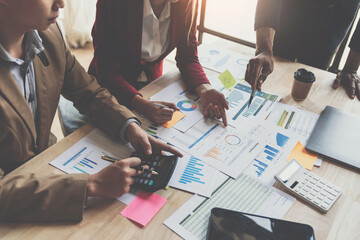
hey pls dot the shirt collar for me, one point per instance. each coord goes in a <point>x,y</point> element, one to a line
<point>165,14</point>
<point>32,46</point>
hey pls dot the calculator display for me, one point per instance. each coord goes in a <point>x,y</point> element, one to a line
<point>289,171</point>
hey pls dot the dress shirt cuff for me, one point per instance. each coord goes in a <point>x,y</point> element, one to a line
<point>122,132</point>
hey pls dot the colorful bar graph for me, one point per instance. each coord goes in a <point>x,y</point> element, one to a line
<point>75,156</point>
<point>192,172</point>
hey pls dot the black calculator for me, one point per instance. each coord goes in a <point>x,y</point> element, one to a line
<point>161,164</point>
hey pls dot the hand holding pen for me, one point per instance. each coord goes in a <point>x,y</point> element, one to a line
<point>114,180</point>
<point>254,87</point>
<point>142,168</point>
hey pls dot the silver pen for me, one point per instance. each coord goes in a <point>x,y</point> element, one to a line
<point>254,89</point>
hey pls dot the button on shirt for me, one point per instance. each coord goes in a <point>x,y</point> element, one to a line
<point>22,71</point>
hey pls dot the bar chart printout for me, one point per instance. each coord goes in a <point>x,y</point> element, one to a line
<point>294,120</point>
<point>85,155</point>
<point>238,103</point>
<point>243,194</point>
<point>193,175</point>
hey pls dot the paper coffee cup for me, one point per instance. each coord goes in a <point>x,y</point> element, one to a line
<point>303,80</point>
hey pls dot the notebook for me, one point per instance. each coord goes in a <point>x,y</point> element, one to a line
<point>336,136</point>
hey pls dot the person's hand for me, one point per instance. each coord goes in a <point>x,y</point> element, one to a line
<point>350,81</point>
<point>143,142</point>
<point>114,180</point>
<point>156,111</point>
<point>213,102</point>
<point>262,64</point>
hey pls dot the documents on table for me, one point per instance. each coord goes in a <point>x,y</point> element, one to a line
<point>187,103</point>
<point>239,114</point>
<point>85,155</point>
<point>243,194</point>
<point>219,59</point>
<point>294,120</point>
<point>193,175</point>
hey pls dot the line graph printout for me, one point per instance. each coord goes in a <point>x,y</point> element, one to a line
<point>239,111</point>
<point>193,175</point>
<point>220,59</point>
<point>243,194</point>
<point>215,145</point>
<point>187,103</point>
<point>293,120</point>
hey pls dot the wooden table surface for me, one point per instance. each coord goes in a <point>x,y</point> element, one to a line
<point>103,221</point>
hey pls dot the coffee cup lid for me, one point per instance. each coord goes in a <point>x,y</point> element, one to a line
<point>304,75</point>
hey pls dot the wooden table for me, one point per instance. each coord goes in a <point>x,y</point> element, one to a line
<point>103,221</point>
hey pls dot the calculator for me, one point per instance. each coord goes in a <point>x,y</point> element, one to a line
<point>313,189</point>
<point>164,165</point>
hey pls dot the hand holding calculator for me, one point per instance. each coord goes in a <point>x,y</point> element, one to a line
<point>163,166</point>
<point>311,188</point>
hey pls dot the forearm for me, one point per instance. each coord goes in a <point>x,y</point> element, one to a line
<point>352,62</point>
<point>32,198</point>
<point>202,87</point>
<point>265,41</point>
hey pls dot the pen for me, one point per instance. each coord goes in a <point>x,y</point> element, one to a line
<point>140,168</point>
<point>159,105</point>
<point>254,89</point>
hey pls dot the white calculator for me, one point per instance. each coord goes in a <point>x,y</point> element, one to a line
<point>308,186</point>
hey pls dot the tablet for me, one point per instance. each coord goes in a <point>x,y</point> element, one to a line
<point>336,136</point>
<point>230,225</point>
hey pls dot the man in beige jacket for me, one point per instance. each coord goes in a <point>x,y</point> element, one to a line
<point>36,66</point>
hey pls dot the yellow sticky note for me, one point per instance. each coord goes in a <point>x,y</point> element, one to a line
<point>227,80</point>
<point>300,154</point>
<point>177,116</point>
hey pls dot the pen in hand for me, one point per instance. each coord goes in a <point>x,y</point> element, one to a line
<point>254,89</point>
<point>139,168</point>
<point>161,106</point>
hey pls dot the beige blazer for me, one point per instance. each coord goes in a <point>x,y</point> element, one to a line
<point>52,198</point>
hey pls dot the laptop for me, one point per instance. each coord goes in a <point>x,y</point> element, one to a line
<point>336,136</point>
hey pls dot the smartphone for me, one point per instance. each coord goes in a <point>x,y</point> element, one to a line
<point>231,225</point>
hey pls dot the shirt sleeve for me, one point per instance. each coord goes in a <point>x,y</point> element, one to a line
<point>355,39</point>
<point>186,56</point>
<point>268,14</point>
<point>28,197</point>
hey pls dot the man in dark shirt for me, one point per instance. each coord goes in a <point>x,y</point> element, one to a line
<point>306,31</point>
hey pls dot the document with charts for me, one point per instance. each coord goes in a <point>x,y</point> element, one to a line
<point>267,156</point>
<point>193,175</point>
<point>239,112</point>
<point>244,194</point>
<point>212,143</point>
<point>220,59</point>
<point>293,120</point>
<point>187,103</point>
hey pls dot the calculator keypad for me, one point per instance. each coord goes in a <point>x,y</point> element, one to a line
<point>163,165</point>
<point>316,190</point>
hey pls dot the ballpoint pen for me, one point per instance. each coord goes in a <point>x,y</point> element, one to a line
<point>140,168</point>
<point>159,105</point>
<point>254,89</point>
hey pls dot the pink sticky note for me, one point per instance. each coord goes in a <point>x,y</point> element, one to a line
<point>144,207</point>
